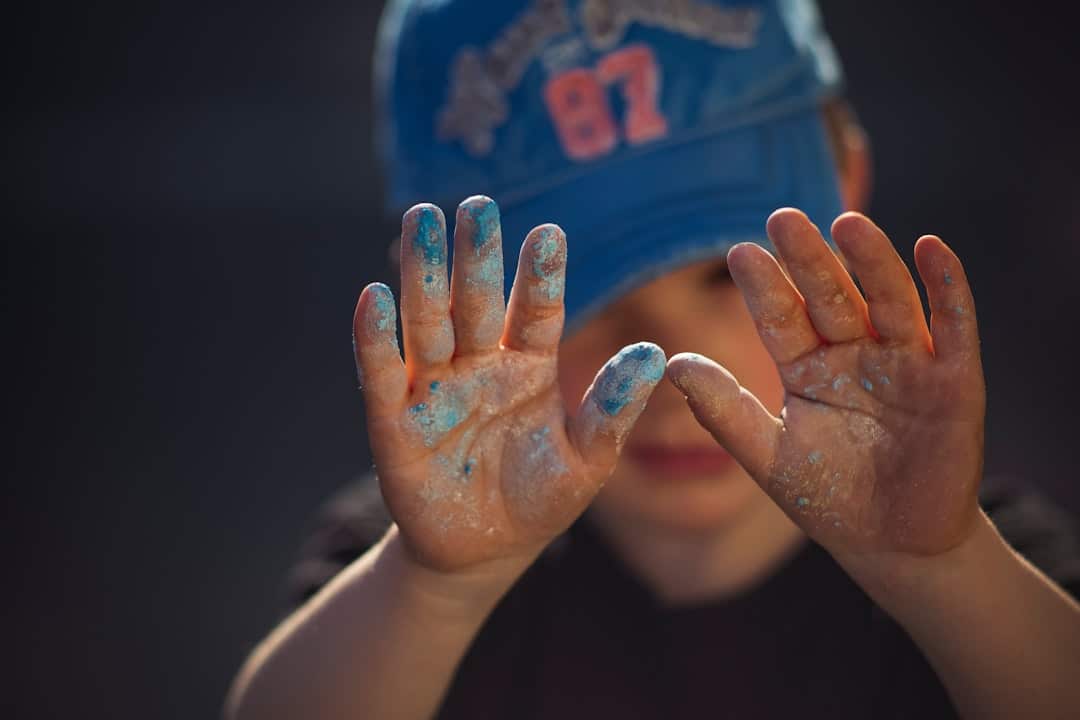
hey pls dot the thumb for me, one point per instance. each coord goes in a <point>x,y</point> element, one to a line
<point>729,411</point>
<point>613,403</point>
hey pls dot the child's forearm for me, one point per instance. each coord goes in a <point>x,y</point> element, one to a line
<point>1003,638</point>
<point>382,640</point>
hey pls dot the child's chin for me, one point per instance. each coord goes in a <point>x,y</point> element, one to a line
<point>697,504</point>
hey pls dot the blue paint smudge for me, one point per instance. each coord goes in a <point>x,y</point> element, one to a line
<point>429,242</point>
<point>802,502</point>
<point>948,278</point>
<point>490,270</point>
<point>815,457</point>
<point>436,419</point>
<point>884,380</point>
<point>620,378</point>
<point>959,310</point>
<point>434,385</point>
<point>485,217</point>
<point>385,316</point>
<point>429,278</point>
<point>839,381</point>
<point>547,264</point>
<point>867,385</point>
<point>469,465</point>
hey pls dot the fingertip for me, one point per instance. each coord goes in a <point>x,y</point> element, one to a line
<point>423,230</point>
<point>376,306</point>
<point>849,226</point>
<point>476,201</point>
<point>544,256</point>
<point>847,219</point>
<point>546,238</point>
<point>480,214</point>
<point>784,220</point>
<point>633,372</point>
<point>697,376</point>
<point>422,212</point>
<point>742,255</point>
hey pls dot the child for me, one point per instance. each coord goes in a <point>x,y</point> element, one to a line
<point>806,540</point>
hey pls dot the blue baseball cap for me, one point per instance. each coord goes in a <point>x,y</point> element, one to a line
<point>655,133</point>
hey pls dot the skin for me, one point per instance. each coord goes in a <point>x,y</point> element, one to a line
<point>481,463</point>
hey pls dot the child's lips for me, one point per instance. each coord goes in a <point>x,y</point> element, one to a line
<point>685,460</point>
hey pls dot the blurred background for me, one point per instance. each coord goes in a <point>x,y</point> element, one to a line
<point>192,206</point>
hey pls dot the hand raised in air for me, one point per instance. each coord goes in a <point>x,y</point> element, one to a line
<point>476,455</point>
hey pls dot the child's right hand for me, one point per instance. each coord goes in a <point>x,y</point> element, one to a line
<point>475,454</point>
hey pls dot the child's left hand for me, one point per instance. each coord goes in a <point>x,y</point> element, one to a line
<point>878,451</point>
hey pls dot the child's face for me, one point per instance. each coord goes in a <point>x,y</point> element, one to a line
<point>672,472</point>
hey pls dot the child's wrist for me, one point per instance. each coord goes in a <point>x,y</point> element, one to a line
<point>902,583</point>
<point>467,595</point>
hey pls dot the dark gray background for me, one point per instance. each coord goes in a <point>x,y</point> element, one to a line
<point>192,208</point>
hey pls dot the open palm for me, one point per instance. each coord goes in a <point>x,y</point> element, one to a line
<point>475,454</point>
<point>879,445</point>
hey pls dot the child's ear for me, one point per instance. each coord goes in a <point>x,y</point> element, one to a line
<point>854,166</point>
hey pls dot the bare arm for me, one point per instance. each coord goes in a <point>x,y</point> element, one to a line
<point>1003,638</point>
<point>478,461</point>
<point>381,640</point>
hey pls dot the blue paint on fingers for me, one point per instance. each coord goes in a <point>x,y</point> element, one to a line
<point>549,261</point>
<point>485,216</point>
<point>634,367</point>
<point>429,243</point>
<point>385,314</point>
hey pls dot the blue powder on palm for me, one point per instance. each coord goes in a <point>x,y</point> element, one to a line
<point>436,419</point>
<point>815,457</point>
<point>434,385</point>
<point>867,385</point>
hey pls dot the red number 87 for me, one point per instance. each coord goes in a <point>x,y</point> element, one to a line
<point>577,101</point>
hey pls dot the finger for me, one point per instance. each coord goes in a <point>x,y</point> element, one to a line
<point>954,328</point>
<point>425,302</point>
<point>534,317</point>
<point>730,412</point>
<point>476,289</point>
<point>613,403</point>
<point>895,309</point>
<point>776,306</point>
<point>375,347</point>
<point>835,305</point>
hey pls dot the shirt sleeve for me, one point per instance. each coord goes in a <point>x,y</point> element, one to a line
<point>350,523</point>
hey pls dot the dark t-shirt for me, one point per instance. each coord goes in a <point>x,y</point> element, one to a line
<point>578,636</point>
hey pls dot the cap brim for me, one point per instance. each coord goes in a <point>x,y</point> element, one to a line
<point>649,213</point>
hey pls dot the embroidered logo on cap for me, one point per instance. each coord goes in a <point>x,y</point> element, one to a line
<point>577,97</point>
